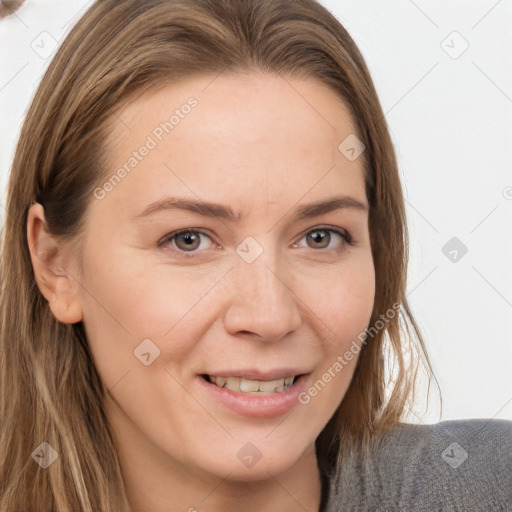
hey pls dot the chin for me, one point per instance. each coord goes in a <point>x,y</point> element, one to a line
<point>250,462</point>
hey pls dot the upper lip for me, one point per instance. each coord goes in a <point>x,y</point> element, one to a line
<point>255,374</point>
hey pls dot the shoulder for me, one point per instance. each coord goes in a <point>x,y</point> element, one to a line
<point>454,465</point>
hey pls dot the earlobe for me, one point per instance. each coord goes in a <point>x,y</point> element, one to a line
<point>64,305</point>
<point>48,262</point>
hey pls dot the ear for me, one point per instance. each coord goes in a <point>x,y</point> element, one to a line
<point>50,262</point>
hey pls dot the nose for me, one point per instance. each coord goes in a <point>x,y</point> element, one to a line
<point>262,304</point>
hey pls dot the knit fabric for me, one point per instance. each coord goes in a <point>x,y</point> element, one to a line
<point>461,465</point>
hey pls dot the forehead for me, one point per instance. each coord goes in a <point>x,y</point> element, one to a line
<point>230,134</point>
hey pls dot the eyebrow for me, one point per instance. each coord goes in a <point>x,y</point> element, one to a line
<point>225,212</point>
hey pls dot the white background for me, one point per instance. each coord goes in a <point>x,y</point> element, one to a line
<point>450,116</point>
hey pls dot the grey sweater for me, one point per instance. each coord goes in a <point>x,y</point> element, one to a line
<point>461,465</point>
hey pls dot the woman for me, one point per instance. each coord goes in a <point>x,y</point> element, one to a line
<point>204,260</point>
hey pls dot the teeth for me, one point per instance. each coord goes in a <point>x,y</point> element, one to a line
<point>233,383</point>
<point>241,385</point>
<point>271,385</point>
<point>247,386</point>
<point>220,381</point>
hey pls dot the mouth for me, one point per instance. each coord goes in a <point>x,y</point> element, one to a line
<point>251,386</point>
<point>255,393</point>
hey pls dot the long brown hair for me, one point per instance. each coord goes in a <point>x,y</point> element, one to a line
<point>50,390</point>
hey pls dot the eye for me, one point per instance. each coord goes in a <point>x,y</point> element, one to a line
<point>187,241</point>
<point>321,238</point>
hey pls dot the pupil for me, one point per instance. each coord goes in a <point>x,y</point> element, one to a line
<point>319,237</point>
<point>189,239</point>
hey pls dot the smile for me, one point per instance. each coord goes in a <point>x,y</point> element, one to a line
<point>241,385</point>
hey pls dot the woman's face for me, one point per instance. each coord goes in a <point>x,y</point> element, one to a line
<point>260,285</point>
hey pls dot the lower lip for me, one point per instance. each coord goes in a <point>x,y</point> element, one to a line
<point>264,405</point>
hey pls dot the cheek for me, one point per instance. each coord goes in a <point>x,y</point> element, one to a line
<point>346,308</point>
<point>346,303</point>
<point>133,300</point>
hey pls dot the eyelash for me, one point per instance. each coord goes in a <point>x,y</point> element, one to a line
<point>347,239</point>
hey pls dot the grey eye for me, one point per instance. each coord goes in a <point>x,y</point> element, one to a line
<point>187,240</point>
<point>319,237</point>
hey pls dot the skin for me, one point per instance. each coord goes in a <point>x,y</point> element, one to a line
<point>263,146</point>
